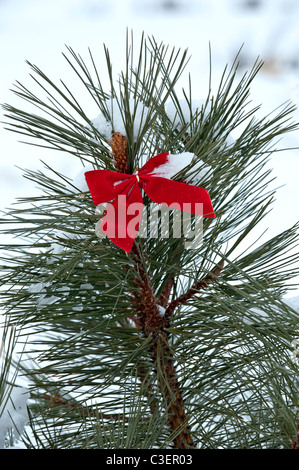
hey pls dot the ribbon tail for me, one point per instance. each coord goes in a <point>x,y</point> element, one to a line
<point>122,218</point>
<point>177,195</point>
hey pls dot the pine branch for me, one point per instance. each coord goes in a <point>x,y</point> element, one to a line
<point>202,284</point>
<point>152,324</point>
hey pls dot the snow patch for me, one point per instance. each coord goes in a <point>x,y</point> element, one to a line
<point>161,310</point>
<point>197,172</point>
<point>14,418</point>
<point>43,299</point>
<point>185,112</point>
<point>116,119</point>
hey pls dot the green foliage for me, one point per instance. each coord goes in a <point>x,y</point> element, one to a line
<point>71,292</point>
<point>7,378</point>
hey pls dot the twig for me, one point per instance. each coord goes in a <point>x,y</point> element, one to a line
<point>84,410</point>
<point>164,297</point>
<point>202,284</point>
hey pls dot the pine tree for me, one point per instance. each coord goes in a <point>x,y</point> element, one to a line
<point>160,346</point>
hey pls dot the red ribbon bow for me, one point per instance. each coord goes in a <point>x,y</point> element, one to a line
<point>124,190</point>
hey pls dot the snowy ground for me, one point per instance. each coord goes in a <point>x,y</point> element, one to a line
<point>38,30</point>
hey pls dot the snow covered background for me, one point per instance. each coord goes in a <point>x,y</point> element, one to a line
<point>38,30</point>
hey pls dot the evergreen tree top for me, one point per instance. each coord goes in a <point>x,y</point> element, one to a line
<point>163,345</point>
